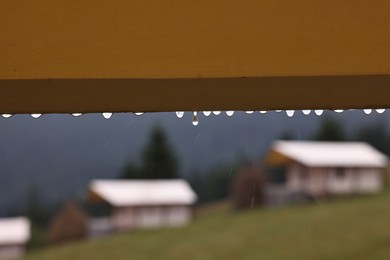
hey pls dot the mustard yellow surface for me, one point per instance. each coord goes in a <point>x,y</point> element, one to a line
<point>191,40</point>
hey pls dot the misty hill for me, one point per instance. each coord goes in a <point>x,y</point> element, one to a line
<point>58,154</point>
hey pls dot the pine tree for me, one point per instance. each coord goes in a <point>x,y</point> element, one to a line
<point>158,159</point>
<point>376,135</point>
<point>330,130</point>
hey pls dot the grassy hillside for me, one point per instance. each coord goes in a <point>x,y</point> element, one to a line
<point>352,228</point>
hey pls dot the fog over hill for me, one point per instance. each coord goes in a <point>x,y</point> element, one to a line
<point>59,154</point>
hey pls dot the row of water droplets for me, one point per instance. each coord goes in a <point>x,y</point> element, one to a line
<point>290,113</point>
<point>106,115</point>
<point>32,115</point>
<point>195,119</point>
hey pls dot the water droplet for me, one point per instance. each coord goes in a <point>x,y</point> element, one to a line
<point>107,115</point>
<point>179,114</point>
<point>380,111</point>
<point>338,110</point>
<point>195,120</point>
<point>306,112</point>
<point>216,112</point>
<point>229,113</point>
<point>6,115</point>
<point>290,113</point>
<point>36,115</point>
<point>319,112</point>
<point>263,111</point>
<point>76,114</point>
<point>138,113</point>
<point>367,111</point>
<point>206,113</point>
<point>249,112</point>
<point>278,111</point>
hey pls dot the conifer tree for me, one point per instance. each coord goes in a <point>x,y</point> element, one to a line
<point>158,160</point>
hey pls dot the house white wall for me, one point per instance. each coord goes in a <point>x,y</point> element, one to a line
<point>294,179</point>
<point>371,180</point>
<point>126,218</point>
<point>332,180</point>
<point>8,252</point>
<point>358,180</point>
<point>100,227</point>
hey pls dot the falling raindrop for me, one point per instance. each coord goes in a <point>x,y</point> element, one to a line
<point>367,111</point>
<point>107,115</point>
<point>380,111</point>
<point>338,110</point>
<point>319,112</point>
<point>216,112</point>
<point>229,113</point>
<point>195,120</point>
<point>36,115</point>
<point>290,113</point>
<point>138,113</point>
<point>6,115</point>
<point>249,112</point>
<point>206,113</point>
<point>262,111</point>
<point>179,114</point>
<point>306,112</point>
<point>76,114</point>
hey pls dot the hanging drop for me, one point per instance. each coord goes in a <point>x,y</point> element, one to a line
<point>195,120</point>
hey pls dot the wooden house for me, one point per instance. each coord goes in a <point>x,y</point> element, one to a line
<point>329,168</point>
<point>145,203</point>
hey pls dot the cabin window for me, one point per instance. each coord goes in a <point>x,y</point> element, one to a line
<point>340,172</point>
<point>277,175</point>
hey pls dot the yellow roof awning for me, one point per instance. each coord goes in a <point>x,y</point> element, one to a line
<point>174,55</point>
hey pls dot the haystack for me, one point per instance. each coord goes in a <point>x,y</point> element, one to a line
<point>69,224</point>
<point>247,187</point>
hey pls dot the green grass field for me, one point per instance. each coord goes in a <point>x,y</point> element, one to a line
<point>349,228</point>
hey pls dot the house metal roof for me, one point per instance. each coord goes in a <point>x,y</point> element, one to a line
<point>143,192</point>
<point>329,154</point>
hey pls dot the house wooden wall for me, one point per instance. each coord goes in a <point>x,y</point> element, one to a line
<point>333,180</point>
<point>125,218</point>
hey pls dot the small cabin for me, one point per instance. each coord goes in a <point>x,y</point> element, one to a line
<point>14,235</point>
<point>329,168</point>
<point>137,204</point>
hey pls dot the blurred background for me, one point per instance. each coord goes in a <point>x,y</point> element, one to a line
<point>229,203</point>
